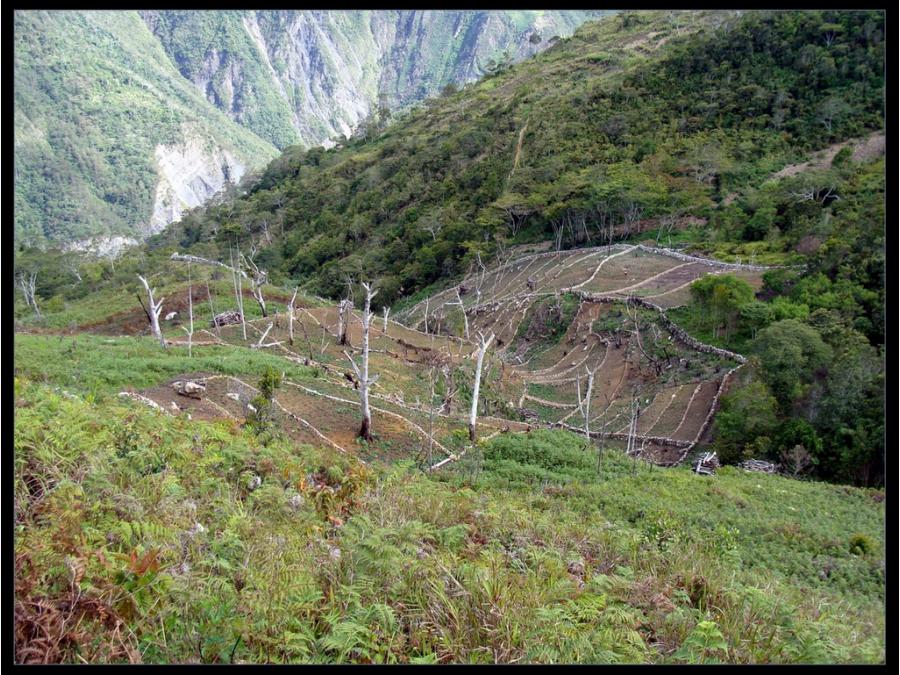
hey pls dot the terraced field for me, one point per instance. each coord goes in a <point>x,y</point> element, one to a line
<point>559,319</point>
<point>624,345</point>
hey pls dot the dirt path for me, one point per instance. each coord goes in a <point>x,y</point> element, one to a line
<point>864,149</point>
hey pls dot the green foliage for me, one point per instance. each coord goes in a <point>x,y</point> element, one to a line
<point>790,354</point>
<point>427,568</point>
<point>706,639</point>
<point>106,366</point>
<point>745,421</point>
<point>603,146</point>
<point>263,416</point>
<point>861,544</point>
<point>95,95</point>
<point>721,298</point>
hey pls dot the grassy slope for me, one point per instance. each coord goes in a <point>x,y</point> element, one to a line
<point>522,553</point>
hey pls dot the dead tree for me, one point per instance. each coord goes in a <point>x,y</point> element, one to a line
<point>202,261</point>
<point>344,315</point>
<point>27,285</point>
<point>434,361</point>
<point>212,309</point>
<point>365,430</point>
<point>260,345</point>
<point>480,281</point>
<point>666,223</point>
<point>632,429</point>
<point>431,378</point>
<point>154,312</point>
<point>635,317</point>
<point>291,318</point>
<point>449,389</point>
<point>473,414</point>
<point>190,330</point>
<point>386,311</point>
<point>584,404</point>
<point>258,279</point>
<point>308,342</point>
<point>72,267</point>
<point>462,309</point>
<point>239,295</point>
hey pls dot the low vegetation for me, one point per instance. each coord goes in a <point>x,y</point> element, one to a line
<point>145,538</point>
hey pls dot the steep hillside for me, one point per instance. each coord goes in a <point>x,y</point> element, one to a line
<point>144,536</point>
<point>125,120</point>
<point>635,123</point>
<point>110,139</point>
<point>307,76</point>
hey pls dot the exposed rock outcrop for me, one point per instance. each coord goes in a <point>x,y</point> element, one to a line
<point>190,173</point>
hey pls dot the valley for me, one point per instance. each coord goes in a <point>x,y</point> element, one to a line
<point>412,337</point>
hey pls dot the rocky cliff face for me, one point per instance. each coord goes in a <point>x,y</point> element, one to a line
<point>103,99</point>
<point>323,72</point>
<point>190,172</point>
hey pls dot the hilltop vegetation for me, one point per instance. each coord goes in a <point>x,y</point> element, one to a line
<point>605,136</point>
<point>248,522</point>
<point>98,93</point>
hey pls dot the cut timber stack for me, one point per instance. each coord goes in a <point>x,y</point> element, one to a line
<point>759,465</point>
<point>707,464</point>
<point>227,318</point>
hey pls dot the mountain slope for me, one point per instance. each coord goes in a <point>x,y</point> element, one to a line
<point>171,539</point>
<point>308,76</point>
<point>630,120</point>
<point>125,120</point>
<point>98,106</point>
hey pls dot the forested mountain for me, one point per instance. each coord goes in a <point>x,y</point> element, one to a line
<point>110,140</point>
<point>632,118</point>
<point>123,120</point>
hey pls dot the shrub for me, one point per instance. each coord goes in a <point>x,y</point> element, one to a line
<point>862,544</point>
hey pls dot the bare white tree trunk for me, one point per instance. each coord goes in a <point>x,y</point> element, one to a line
<point>154,312</point>
<point>28,288</point>
<point>463,310</point>
<point>291,318</point>
<point>584,404</point>
<point>262,338</point>
<point>203,261</point>
<point>480,281</point>
<point>344,316</point>
<point>238,292</point>
<point>190,330</point>
<point>426,314</point>
<point>258,278</point>
<point>365,430</point>
<point>386,311</point>
<point>473,414</point>
<point>632,429</point>
<point>213,310</point>
<point>431,378</point>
